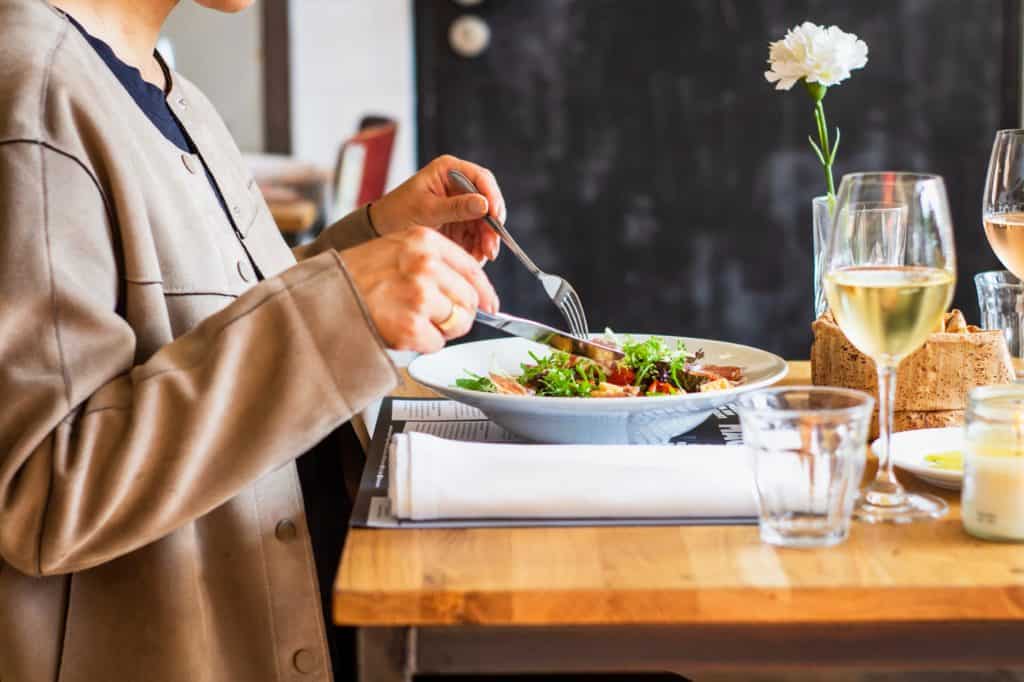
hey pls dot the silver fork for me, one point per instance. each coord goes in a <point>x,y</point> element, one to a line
<point>557,288</point>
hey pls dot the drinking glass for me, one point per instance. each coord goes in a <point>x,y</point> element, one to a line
<point>887,299</point>
<point>1002,206</point>
<point>1001,301</point>
<point>808,445</point>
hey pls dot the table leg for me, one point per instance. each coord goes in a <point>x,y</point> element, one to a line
<point>386,654</point>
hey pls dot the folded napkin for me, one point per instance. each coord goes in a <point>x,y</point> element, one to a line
<point>434,478</point>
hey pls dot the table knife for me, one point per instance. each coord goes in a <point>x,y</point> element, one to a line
<point>541,333</point>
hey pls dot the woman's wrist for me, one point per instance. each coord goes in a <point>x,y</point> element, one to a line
<point>380,219</point>
<point>369,220</point>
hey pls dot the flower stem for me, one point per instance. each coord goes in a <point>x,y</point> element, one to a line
<point>827,151</point>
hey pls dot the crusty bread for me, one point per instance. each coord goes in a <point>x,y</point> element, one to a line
<point>908,420</point>
<point>932,384</point>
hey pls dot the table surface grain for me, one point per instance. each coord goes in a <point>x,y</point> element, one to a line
<point>924,572</point>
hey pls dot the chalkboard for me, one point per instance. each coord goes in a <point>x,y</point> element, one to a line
<point>644,157</point>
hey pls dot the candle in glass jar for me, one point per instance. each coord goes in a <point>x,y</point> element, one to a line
<point>993,492</point>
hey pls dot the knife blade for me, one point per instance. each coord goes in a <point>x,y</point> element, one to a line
<point>541,333</point>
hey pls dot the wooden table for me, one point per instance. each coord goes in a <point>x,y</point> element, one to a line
<point>293,216</point>
<point>688,599</point>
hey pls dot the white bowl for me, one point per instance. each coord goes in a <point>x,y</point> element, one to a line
<point>654,419</point>
<point>909,449</point>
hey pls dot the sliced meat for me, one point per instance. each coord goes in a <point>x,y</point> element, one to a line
<point>725,371</point>
<point>508,385</point>
<point>715,372</point>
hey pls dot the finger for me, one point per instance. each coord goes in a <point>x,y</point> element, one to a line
<point>455,287</point>
<point>445,312</point>
<point>475,237</point>
<point>464,264</point>
<point>426,303</point>
<point>456,209</point>
<point>425,337</point>
<point>457,324</point>
<point>489,241</point>
<point>484,180</point>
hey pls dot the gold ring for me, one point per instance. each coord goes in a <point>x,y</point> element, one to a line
<point>451,321</point>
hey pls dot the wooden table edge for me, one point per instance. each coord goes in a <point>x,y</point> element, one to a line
<point>760,606</point>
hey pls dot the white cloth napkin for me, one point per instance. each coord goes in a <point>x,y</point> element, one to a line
<point>434,478</point>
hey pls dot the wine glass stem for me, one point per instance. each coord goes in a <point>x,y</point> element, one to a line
<point>885,490</point>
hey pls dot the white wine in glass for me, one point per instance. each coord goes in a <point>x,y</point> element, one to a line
<point>888,311</point>
<point>887,296</point>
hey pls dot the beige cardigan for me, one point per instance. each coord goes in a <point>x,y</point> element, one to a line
<point>152,396</point>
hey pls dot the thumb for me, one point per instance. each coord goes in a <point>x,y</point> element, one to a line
<point>460,208</point>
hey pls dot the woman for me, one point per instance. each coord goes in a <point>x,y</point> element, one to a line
<point>156,393</point>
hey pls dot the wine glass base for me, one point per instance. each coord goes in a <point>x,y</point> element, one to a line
<point>911,507</point>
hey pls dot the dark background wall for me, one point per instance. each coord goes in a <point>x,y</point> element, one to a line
<point>643,155</point>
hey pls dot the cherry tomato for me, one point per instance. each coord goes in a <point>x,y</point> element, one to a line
<point>662,387</point>
<point>621,376</point>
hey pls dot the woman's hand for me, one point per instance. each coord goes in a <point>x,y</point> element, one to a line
<point>430,199</point>
<point>419,287</point>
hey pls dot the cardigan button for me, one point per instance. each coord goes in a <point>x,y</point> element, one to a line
<point>305,661</point>
<point>285,531</point>
<point>190,163</point>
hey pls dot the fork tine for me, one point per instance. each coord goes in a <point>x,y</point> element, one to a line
<point>584,327</point>
<point>567,316</point>
<point>570,302</point>
<point>560,299</point>
<point>567,313</point>
<point>581,318</point>
<point>577,326</point>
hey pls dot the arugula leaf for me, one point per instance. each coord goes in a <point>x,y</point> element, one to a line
<point>558,375</point>
<point>677,370</point>
<point>590,371</point>
<point>649,360</point>
<point>475,382</point>
<point>643,357</point>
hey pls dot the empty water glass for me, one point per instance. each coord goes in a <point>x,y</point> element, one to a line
<point>1001,300</point>
<point>808,445</point>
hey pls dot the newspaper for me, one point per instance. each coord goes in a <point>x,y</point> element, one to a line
<point>453,420</point>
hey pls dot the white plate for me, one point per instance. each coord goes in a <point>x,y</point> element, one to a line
<point>909,449</point>
<point>653,419</point>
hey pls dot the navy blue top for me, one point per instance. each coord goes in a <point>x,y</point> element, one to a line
<point>153,102</point>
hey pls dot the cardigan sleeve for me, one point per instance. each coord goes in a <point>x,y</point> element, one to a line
<point>352,230</point>
<point>99,456</point>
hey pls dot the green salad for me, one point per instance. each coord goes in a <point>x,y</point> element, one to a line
<point>649,368</point>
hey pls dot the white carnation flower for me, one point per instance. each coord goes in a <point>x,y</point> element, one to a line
<point>815,54</point>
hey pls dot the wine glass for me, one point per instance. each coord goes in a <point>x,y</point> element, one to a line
<point>1002,208</point>
<point>888,288</point>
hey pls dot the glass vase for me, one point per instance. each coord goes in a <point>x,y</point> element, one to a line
<point>822,218</point>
